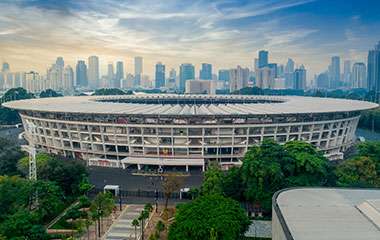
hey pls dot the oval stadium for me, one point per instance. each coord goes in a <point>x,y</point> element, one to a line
<point>184,131</point>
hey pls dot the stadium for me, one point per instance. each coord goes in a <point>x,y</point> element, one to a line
<point>184,131</point>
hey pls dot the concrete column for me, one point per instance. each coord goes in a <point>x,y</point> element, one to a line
<point>203,168</point>
<point>139,167</point>
<point>187,168</point>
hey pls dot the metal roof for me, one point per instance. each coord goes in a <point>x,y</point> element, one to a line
<point>329,213</point>
<point>281,105</point>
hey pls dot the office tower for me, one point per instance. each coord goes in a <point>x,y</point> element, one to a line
<point>19,79</point>
<point>119,74</point>
<point>334,72</point>
<point>160,75</point>
<point>359,75</point>
<point>59,67</point>
<point>68,78</point>
<point>110,76</point>
<point>224,76</point>
<point>32,81</point>
<point>256,64</point>
<point>200,87</point>
<point>138,71</point>
<point>373,71</point>
<point>81,74</point>
<point>206,72</point>
<point>273,66</point>
<point>54,77</point>
<point>346,72</point>
<point>300,78</point>
<point>5,67</point>
<point>280,71</point>
<point>289,71</point>
<point>238,78</point>
<point>265,77</point>
<point>93,72</point>
<point>263,58</point>
<point>172,80</point>
<point>60,62</point>
<point>322,80</point>
<point>127,82</point>
<point>186,72</point>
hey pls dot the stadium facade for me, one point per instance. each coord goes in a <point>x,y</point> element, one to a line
<point>184,130</point>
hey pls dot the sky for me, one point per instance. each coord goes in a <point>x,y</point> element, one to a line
<point>225,33</point>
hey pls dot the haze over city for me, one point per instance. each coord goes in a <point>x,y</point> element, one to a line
<point>224,33</point>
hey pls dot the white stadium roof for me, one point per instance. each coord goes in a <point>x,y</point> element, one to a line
<point>209,105</point>
<point>330,213</point>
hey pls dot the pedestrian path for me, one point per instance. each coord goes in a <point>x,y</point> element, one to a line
<point>122,228</point>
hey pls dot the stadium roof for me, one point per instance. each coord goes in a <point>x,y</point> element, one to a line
<point>329,213</point>
<point>189,105</point>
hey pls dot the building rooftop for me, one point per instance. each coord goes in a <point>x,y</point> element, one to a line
<point>188,105</point>
<point>328,214</point>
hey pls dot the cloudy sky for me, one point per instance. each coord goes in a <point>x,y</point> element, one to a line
<point>225,33</point>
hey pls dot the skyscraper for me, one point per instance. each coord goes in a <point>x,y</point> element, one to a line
<point>138,71</point>
<point>206,72</point>
<point>238,78</point>
<point>172,80</point>
<point>119,74</point>
<point>265,77</point>
<point>110,76</point>
<point>334,72</point>
<point>300,78</point>
<point>186,72</point>
<point>289,71</point>
<point>160,75</point>
<point>322,80</point>
<point>224,76</point>
<point>263,58</point>
<point>359,75</point>
<point>373,73</point>
<point>68,78</point>
<point>93,72</point>
<point>5,67</point>
<point>347,72</point>
<point>81,74</point>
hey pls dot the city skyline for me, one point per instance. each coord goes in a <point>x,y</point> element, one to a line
<point>119,31</point>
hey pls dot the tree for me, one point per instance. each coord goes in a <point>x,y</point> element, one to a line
<point>108,91</point>
<point>67,173</point>
<point>371,150</point>
<point>11,116</point>
<point>262,174</point>
<point>357,172</point>
<point>195,220</point>
<point>171,183</point>
<point>135,224</point>
<point>101,207</point>
<point>143,216</point>
<point>9,155</point>
<point>50,93</point>
<point>212,182</point>
<point>232,184</point>
<point>305,165</point>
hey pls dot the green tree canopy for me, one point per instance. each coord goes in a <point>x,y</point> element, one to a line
<point>9,155</point>
<point>49,93</point>
<point>357,172</point>
<point>212,182</point>
<point>10,116</point>
<point>195,220</point>
<point>108,91</point>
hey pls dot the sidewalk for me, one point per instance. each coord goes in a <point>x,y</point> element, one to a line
<point>122,227</point>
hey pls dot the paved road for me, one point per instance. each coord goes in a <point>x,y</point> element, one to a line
<point>122,228</point>
<point>100,176</point>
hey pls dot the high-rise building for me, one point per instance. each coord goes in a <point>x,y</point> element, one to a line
<point>110,76</point>
<point>32,82</point>
<point>81,74</point>
<point>334,72</point>
<point>300,78</point>
<point>160,75</point>
<point>238,78</point>
<point>68,78</point>
<point>93,72</point>
<point>5,67</point>
<point>265,77</point>
<point>289,72</point>
<point>373,73</point>
<point>172,80</point>
<point>346,72</point>
<point>206,72</point>
<point>280,71</point>
<point>359,75</point>
<point>186,72</point>
<point>119,74</point>
<point>138,71</point>
<point>263,58</point>
<point>224,76</point>
<point>322,80</point>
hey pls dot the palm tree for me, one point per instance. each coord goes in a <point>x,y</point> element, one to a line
<point>135,223</point>
<point>144,215</point>
<point>148,207</point>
